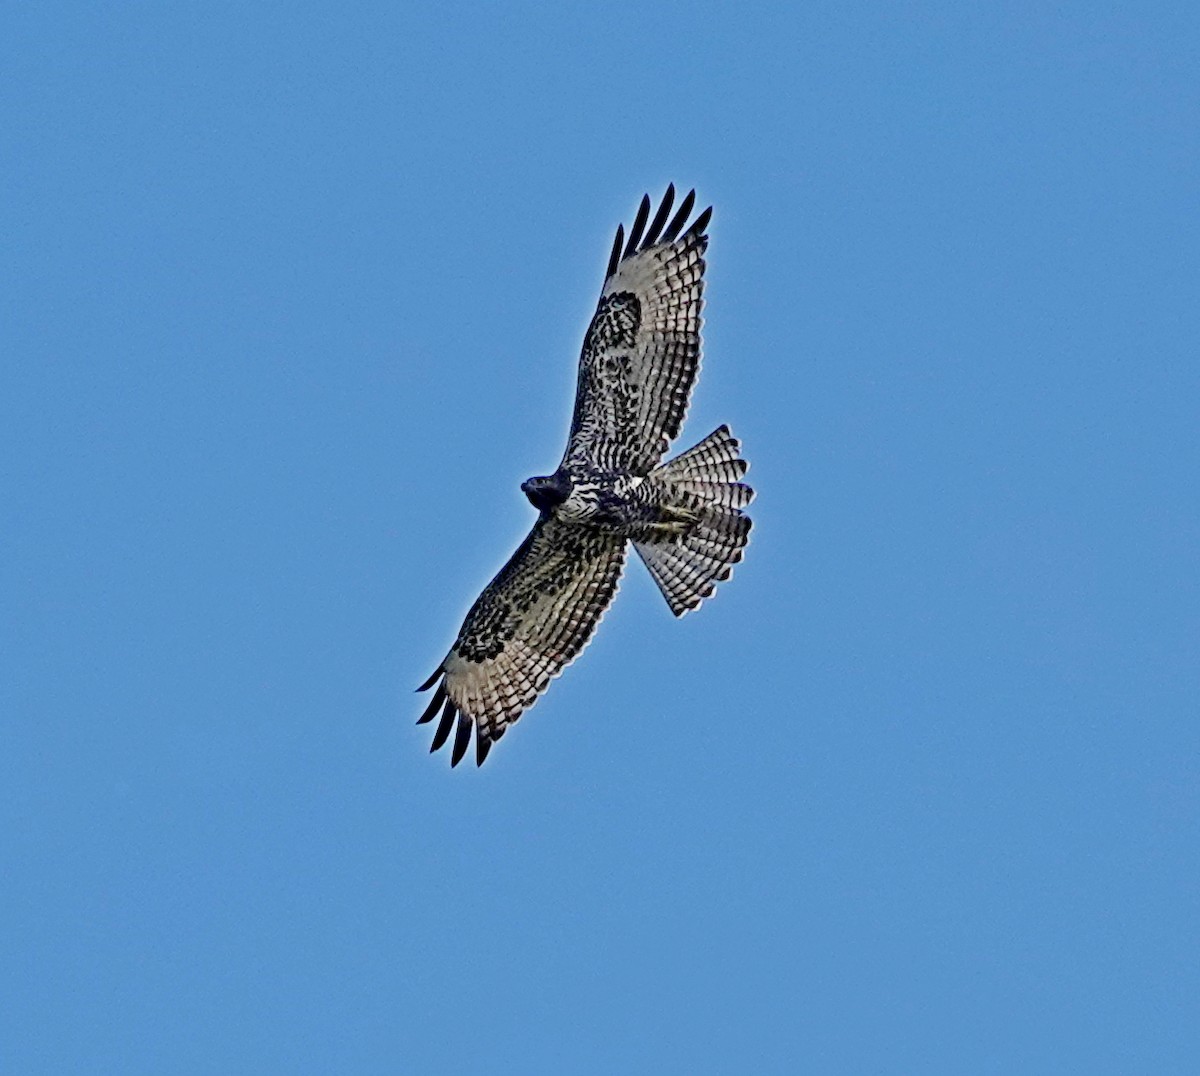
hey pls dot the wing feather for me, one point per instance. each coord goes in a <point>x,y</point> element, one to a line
<point>641,352</point>
<point>462,738</point>
<point>639,225</point>
<point>529,623</point>
<point>614,259</point>
<point>435,704</point>
<point>685,209</point>
<point>660,218</point>
<point>443,729</point>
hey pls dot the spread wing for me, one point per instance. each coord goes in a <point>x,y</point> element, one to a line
<point>641,352</point>
<point>528,624</point>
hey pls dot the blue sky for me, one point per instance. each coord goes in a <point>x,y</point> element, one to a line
<point>291,302</point>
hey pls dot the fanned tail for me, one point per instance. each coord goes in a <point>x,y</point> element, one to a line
<point>704,483</point>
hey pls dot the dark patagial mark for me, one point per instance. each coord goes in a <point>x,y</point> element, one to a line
<point>462,737</point>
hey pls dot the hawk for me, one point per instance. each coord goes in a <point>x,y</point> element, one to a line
<point>684,517</point>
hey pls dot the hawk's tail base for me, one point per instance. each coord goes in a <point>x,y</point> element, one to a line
<point>705,480</point>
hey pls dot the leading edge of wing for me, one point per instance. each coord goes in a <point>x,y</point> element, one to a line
<point>642,238</point>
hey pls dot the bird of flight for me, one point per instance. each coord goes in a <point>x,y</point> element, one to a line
<point>684,517</point>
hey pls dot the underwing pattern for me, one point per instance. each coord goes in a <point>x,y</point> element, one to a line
<point>684,517</point>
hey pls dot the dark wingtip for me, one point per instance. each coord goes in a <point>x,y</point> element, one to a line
<point>435,704</point>
<point>681,215</point>
<point>614,258</point>
<point>660,218</point>
<point>642,238</point>
<point>432,680</point>
<point>462,737</point>
<point>639,224</point>
<point>483,744</point>
<point>443,730</point>
<point>697,229</point>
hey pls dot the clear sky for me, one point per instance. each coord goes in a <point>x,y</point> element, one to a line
<point>291,301</point>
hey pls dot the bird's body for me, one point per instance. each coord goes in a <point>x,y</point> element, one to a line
<point>620,504</point>
<point>684,517</point>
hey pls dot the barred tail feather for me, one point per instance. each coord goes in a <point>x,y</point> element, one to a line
<point>704,482</point>
<point>716,459</point>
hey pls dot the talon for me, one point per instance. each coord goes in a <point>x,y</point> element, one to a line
<point>676,520</point>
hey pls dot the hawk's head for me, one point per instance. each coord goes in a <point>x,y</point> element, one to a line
<point>547,491</point>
